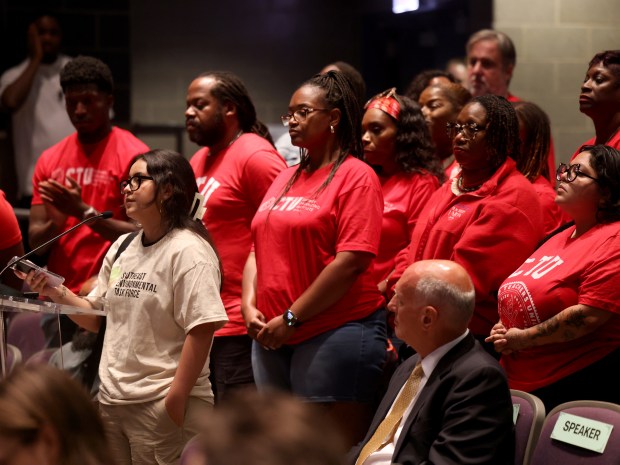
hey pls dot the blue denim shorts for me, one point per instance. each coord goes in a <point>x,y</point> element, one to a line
<point>341,365</point>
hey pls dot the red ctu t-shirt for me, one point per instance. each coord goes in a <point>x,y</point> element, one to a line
<point>79,255</point>
<point>299,236</point>
<point>561,273</point>
<point>234,183</point>
<point>488,232</point>
<point>404,197</point>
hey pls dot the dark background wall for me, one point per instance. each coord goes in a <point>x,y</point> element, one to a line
<point>155,48</point>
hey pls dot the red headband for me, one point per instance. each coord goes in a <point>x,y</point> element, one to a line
<point>388,105</point>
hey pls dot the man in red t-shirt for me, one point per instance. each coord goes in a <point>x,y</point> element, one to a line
<point>234,169</point>
<point>491,60</point>
<point>79,177</point>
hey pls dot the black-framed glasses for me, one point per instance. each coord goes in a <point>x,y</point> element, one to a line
<point>388,93</point>
<point>469,130</point>
<point>571,172</point>
<point>299,115</point>
<point>134,182</point>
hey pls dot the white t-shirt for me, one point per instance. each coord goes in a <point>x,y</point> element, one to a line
<point>156,295</point>
<point>41,121</point>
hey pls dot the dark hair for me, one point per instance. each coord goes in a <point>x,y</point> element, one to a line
<point>32,397</point>
<point>504,44</point>
<point>413,145</point>
<point>423,79</point>
<point>84,70</point>
<point>605,161</point>
<point>229,88</point>
<point>502,130</point>
<point>532,161</point>
<point>338,94</point>
<point>609,59</point>
<point>167,167</point>
<point>458,95</point>
<point>357,81</point>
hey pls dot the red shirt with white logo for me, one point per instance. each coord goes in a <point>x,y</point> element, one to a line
<point>296,238</point>
<point>404,197</point>
<point>79,255</point>
<point>563,272</point>
<point>489,232</point>
<point>234,183</point>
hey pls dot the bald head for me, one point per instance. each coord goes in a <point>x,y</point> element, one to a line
<point>434,302</point>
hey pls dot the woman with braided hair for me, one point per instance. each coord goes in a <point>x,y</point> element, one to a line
<point>309,298</point>
<point>532,160</point>
<point>488,218</point>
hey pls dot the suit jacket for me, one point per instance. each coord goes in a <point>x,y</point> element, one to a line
<point>463,414</point>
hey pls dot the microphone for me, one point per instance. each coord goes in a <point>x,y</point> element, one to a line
<point>103,215</point>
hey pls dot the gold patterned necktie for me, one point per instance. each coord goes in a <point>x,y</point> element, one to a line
<point>387,428</point>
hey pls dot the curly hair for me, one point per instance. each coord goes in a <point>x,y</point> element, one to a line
<point>414,148</point>
<point>609,59</point>
<point>533,158</point>
<point>338,93</point>
<point>605,161</point>
<point>84,70</point>
<point>502,131</point>
<point>229,88</point>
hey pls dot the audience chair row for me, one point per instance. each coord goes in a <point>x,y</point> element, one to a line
<point>581,432</point>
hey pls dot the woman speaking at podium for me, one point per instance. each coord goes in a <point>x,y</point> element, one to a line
<point>164,306</point>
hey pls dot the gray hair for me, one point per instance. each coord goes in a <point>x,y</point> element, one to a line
<point>504,44</point>
<point>459,304</point>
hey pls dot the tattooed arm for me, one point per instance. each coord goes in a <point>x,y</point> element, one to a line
<point>571,323</point>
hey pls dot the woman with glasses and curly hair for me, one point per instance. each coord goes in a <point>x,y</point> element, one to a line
<point>488,218</point>
<point>398,147</point>
<point>310,300</point>
<point>163,292</point>
<point>559,328</point>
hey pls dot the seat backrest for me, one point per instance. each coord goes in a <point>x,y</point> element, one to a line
<point>552,451</point>
<point>528,424</point>
<point>25,332</point>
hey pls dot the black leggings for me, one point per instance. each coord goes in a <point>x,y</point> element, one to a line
<point>594,382</point>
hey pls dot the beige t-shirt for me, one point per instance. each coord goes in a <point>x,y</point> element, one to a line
<point>156,295</point>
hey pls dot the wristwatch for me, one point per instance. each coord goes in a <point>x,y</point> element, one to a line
<point>290,319</point>
<point>90,212</point>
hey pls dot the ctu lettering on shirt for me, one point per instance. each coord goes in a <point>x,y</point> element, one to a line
<point>544,265</point>
<point>207,186</point>
<point>84,176</point>
<point>289,204</point>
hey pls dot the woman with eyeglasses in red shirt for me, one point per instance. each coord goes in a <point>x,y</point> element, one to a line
<point>488,218</point>
<point>559,328</point>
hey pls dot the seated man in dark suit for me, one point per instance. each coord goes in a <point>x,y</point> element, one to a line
<point>450,403</point>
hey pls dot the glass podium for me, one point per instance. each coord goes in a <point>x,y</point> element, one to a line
<point>23,304</point>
